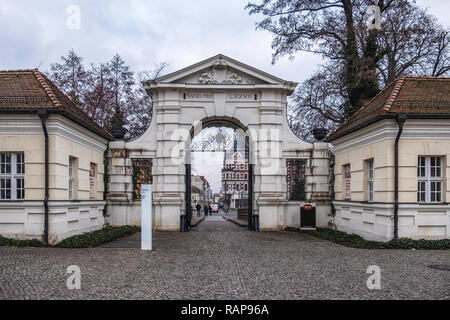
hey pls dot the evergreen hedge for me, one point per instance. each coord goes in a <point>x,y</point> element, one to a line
<point>85,240</point>
<point>356,241</point>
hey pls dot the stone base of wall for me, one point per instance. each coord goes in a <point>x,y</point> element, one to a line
<point>123,213</point>
<point>24,220</point>
<point>375,221</point>
<point>276,217</point>
<point>292,214</point>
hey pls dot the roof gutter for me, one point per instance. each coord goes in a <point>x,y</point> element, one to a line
<point>400,119</point>
<point>332,137</point>
<point>44,116</point>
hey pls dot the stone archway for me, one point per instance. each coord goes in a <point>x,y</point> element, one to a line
<point>246,150</point>
<point>213,91</point>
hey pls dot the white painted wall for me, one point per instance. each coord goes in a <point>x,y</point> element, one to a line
<point>420,137</point>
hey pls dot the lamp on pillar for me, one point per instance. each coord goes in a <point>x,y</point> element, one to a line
<point>117,124</point>
<point>319,133</point>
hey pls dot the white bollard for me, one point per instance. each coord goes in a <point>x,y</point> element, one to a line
<point>146,217</point>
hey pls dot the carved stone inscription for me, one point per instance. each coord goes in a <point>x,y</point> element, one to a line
<point>242,96</point>
<point>198,96</point>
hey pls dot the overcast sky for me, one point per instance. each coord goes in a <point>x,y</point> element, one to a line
<point>35,33</point>
<point>144,32</point>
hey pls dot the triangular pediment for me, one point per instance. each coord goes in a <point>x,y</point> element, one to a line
<point>222,75</point>
<point>220,70</point>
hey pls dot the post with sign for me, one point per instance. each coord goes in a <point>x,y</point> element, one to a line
<point>308,216</point>
<point>146,217</point>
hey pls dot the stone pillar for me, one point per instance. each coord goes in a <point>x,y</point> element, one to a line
<point>269,172</point>
<point>320,172</point>
<point>168,167</point>
<point>318,183</point>
<point>120,184</point>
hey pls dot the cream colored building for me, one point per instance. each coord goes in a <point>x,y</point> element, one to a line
<point>30,104</point>
<point>415,112</point>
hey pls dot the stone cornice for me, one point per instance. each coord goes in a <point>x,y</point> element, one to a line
<point>427,129</point>
<point>57,125</point>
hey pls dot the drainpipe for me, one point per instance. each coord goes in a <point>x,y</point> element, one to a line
<point>44,116</point>
<point>400,119</point>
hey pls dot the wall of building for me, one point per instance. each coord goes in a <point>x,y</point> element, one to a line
<point>24,219</point>
<point>375,221</point>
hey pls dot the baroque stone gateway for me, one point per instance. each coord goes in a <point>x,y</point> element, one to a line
<point>219,91</point>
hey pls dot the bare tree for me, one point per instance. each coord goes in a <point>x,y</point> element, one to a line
<point>358,61</point>
<point>98,97</point>
<point>70,76</point>
<point>439,61</point>
<point>140,105</point>
<point>157,71</point>
<point>108,90</point>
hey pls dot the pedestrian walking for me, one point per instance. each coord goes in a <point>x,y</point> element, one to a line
<point>210,209</point>
<point>205,209</point>
<point>199,208</point>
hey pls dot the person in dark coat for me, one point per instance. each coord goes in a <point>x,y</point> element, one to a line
<point>210,209</point>
<point>205,209</point>
<point>199,208</point>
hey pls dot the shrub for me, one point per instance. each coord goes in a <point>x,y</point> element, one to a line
<point>356,241</point>
<point>85,240</point>
<point>6,242</point>
<point>97,238</point>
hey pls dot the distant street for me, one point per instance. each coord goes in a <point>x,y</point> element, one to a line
<point>216,222</point>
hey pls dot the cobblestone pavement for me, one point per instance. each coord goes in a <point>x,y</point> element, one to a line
<point>219,260</point>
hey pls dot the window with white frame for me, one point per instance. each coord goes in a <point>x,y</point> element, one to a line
<point>347,180</point>
<point>370,181</point>
<point>70,178</point>
<point>12,173</point>
<point>430,180</point>
<point>92,182</point>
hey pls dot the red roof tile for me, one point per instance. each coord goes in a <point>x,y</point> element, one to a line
<point>420,96</point>
<point>22,90</point>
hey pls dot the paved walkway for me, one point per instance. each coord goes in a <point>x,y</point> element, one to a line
<point>219,260</point>
<point>216,223</point>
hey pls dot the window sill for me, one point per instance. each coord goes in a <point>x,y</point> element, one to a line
<point>432,203</point>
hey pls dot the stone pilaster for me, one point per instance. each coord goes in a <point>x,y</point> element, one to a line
<point>319,170</point>
<point>120,173</point>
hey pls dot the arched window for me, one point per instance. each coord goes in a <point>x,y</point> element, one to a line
<point>238,176</point>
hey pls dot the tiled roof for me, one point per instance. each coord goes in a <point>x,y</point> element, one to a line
<point>30,90</point>
<point>418,96</point>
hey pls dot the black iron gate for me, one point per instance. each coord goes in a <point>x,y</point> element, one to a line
<point>250,197</point>
<point>185,224</point>
<point>253,223</point>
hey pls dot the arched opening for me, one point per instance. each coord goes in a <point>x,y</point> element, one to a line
<point>226,180</point>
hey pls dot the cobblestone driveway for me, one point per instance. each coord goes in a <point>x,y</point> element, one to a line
<point>222,261</point>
